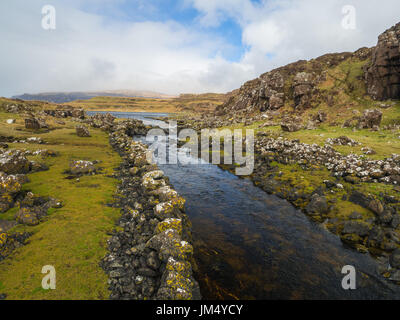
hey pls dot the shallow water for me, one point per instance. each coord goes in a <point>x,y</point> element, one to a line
<point>251,245</point>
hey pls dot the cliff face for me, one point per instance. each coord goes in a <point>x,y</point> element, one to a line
<point>383,75</point>
<point>298,85</point>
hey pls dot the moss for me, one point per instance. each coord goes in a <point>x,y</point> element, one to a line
<point>73,238</point>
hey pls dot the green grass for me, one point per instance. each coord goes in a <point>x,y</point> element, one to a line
<point>73,238</point>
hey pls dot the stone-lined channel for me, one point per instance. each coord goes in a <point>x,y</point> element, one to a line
<point>251,245</point>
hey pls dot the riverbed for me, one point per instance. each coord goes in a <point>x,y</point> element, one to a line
<point>251,245</point>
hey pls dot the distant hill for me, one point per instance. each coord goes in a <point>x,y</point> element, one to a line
<point>62,97</point>
<point>184,103</point>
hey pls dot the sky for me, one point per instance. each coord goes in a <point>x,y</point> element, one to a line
<point>173,47</point>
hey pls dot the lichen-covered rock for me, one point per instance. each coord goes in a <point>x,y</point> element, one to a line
<point>27,216</point>
<point>82,131</point>
<point>9,184</point>
<point>81,167</point>
<point>10,242</point>
<point>175,224</point>
<point>317,206</point>
<point>33,208</point>
<point>169,209</point>
<point>14,162</point>
<point>165,193</point>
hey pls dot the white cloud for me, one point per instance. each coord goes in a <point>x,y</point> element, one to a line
<point>93,52</point>
<point>264,36</point>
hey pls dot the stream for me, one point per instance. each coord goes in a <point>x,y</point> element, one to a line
<point>251,245</point>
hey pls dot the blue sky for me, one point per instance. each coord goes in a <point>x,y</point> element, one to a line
<point>180,11</point>
<point>182,46</point>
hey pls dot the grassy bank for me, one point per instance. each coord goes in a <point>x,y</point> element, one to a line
<point>73,238</point>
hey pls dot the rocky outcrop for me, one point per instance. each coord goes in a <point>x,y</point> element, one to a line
<point>303,86</point>
<point>293,84</point>
<point>151,258</point>
<point>383,74</point>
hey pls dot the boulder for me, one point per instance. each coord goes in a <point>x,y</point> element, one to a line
<point>317,206</point>
<point>80,167</point>
<point>291,126</point>
<point>32,124</point>
<point>82,131</point>
<point>14,162</point>
<point>360,229</point>
<point>29,216</point>
<point>370,119</point>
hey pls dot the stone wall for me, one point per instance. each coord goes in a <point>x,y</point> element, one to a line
<point>151,256</point>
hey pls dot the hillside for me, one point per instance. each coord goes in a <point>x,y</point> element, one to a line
<point>327,139</point>
<point>337,84</point>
